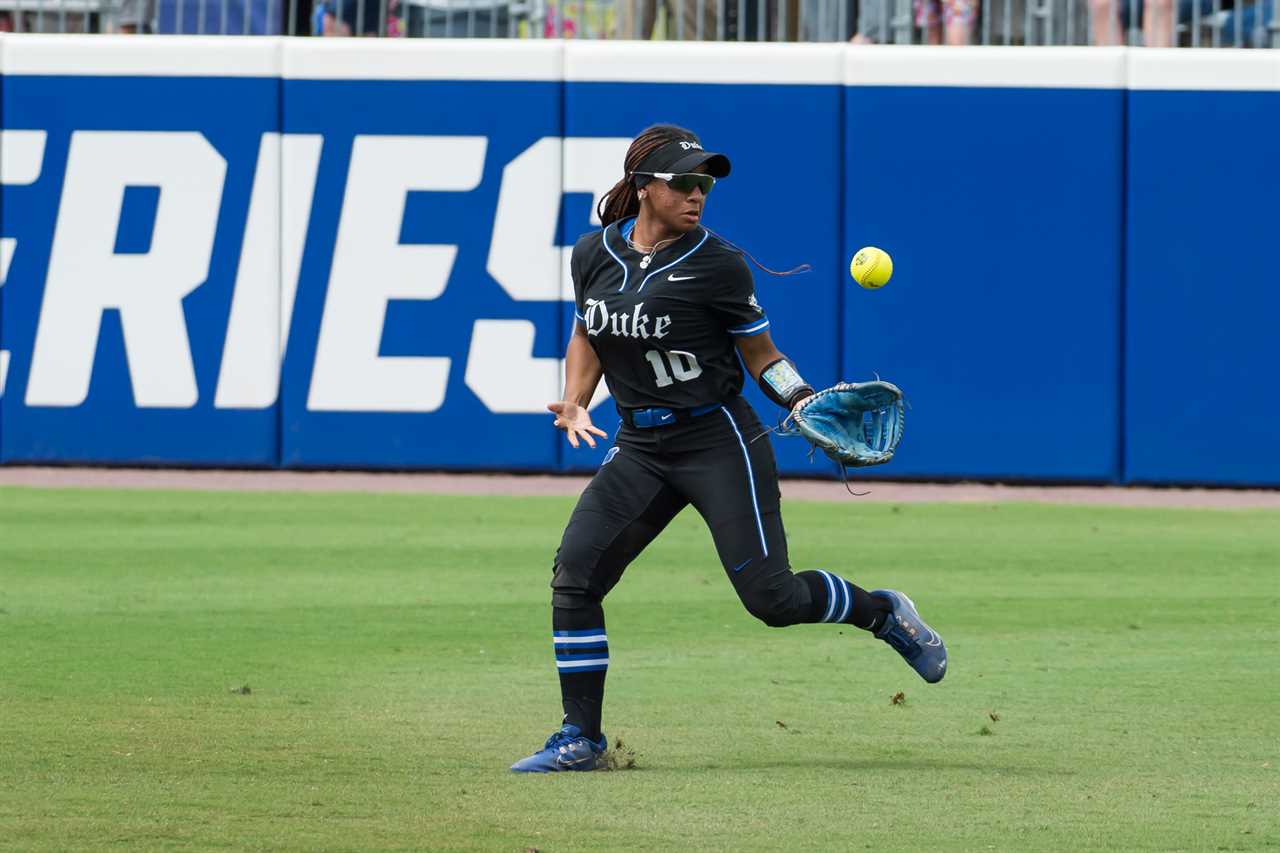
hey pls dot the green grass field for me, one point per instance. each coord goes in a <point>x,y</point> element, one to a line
<point>314,672</point>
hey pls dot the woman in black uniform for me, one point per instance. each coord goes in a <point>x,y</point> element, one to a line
<point>667,314</point>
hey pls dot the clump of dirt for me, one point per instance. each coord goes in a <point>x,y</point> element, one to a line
<point>243,690</point>
<point>898,698</point>
<point>621,757</point>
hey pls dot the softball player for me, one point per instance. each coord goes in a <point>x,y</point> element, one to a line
<point>667,314</point>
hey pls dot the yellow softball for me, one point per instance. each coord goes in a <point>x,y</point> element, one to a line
<point>871,267</point>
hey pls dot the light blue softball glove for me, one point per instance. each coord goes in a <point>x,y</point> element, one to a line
<point>855,423</point>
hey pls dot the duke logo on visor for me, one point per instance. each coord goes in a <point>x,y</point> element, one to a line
<point>676,163</point>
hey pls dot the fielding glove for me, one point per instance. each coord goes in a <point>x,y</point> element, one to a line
<point>855,423</point>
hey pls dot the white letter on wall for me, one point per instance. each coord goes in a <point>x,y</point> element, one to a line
<point>525,257</point>
<point>21,156</point>
<point>502,372</point>
<point>267,279</point>
<point>371,266</point>
<point>86,277</point>
<point>527,260</point>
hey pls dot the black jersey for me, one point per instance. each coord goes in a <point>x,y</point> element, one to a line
<point>665,335</point>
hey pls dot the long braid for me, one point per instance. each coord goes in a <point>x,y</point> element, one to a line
<point>623,200</point>
<point>797,269</point>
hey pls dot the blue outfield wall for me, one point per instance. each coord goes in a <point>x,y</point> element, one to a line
<point>1003,324</point>
<point>1202,337</point>
<point>351,253</point>
<point>83,232</point>
<point>439,148</point>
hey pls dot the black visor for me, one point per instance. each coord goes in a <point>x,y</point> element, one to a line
<point>685,156</point>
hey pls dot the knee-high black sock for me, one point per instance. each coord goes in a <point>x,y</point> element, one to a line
<point>837,600</point>
<point>582,658</point>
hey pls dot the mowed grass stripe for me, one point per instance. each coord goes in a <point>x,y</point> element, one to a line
<point>1113,682</point>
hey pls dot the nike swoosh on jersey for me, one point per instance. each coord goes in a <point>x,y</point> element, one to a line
<point>674,277</point>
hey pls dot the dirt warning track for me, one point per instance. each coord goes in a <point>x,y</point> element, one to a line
<point>532,484</point>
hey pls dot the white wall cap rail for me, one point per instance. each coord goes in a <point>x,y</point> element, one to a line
<point>744,63</point>
<point>422,59</point>
<point>712,62</point>
<point>986,67</point>
<point>130,56</point>
<point>1223,69</point>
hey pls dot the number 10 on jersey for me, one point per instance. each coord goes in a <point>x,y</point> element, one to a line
<point>682,365</point>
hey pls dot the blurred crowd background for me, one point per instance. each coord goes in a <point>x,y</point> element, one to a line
<point>1153,23</point>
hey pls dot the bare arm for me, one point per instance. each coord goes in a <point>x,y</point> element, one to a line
<point>757,351</point>
<point>582,372</point>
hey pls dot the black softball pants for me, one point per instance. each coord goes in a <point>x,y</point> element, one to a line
<point>723,464</point>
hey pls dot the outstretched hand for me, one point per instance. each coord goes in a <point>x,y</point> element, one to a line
<point>576,423</point>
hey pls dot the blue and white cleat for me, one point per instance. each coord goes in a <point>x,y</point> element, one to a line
<point>567,749</point>
<point>920,645</point>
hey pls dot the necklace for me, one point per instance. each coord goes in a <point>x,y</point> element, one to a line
<point>651,250</point>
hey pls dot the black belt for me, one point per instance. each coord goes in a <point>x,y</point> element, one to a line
<point>659,416</point>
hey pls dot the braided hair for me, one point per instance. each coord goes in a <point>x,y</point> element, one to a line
<point>623,200</point>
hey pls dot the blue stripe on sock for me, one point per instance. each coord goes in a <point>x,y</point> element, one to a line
<point>831,595</point>
<point>839,602</point>
<point>583,647</point>
<point>587,633</point>
<point>848,600</point>
<point>594,651</point>
<point>564,657</point>
<point>596,668</point>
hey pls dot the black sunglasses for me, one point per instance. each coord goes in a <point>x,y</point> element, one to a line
<point>684,182</point>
